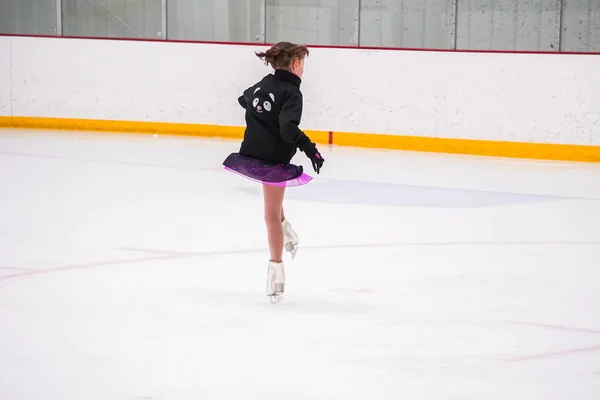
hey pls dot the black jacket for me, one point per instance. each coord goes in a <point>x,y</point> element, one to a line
<point>273,112</point>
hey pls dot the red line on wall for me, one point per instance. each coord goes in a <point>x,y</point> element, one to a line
<point>330,137</point>
<point>309,45</point>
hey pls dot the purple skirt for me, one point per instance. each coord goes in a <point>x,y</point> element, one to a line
<point>284,175</point>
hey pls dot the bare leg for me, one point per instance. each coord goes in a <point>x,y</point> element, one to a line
<point>273,196</point>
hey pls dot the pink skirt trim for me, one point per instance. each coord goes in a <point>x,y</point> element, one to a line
<point>299,181</point>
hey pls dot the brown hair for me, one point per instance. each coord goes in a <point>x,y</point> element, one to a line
<point>281,55</point>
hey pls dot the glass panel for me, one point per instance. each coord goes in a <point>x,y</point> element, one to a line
<point>408,23</point>
<point>581,26</point>
<point>28,17</point>
<point>321,22</point>
<point>531,25</point>
<point>216,20</point>
<point>112,18</point>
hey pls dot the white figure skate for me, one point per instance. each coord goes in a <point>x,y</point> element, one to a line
<point>290,238</point>
<point>275,281</point>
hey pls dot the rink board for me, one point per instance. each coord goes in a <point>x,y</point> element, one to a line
<point>542,151</point>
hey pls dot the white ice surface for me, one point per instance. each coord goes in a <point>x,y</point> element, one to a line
<point>133,267</point>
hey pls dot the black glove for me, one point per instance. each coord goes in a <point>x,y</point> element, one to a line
<point>316,157</point>
<point>317,161</point>
<point>310,149</point>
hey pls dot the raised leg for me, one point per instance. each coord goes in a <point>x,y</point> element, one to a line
<point>290,238</point>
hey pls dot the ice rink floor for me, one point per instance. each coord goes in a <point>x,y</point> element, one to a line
<point>133,267</point>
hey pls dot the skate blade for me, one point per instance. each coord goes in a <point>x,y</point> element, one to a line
<point>275,298</point>
<point>291,249</point>
<point>277,295</point>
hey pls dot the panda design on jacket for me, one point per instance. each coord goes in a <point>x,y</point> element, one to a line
<point>262,104</point>
<point>273,110</point>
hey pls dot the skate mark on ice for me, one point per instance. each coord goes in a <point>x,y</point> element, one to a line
<point>554,354</point>
<point>560,327</point>
<point>166,255</point>
<point>370,245</point>
<point>16,269</point>
<point>83,266</point>
<point>304,305</point>
<point>110,162</point>
<point>354,290</point>
<point>166,252</point>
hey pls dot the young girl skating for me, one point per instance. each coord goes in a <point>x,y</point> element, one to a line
<point>272,136</point>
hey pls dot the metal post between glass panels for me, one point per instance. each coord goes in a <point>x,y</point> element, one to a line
<point>59,18</point>
<point>560,25</point>
<point>163,20</point>
<point>263,21</point>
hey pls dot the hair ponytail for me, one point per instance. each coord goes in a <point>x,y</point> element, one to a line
<point>281,55</point>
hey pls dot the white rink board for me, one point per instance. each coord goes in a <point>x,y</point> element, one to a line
<point>504,97</point>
